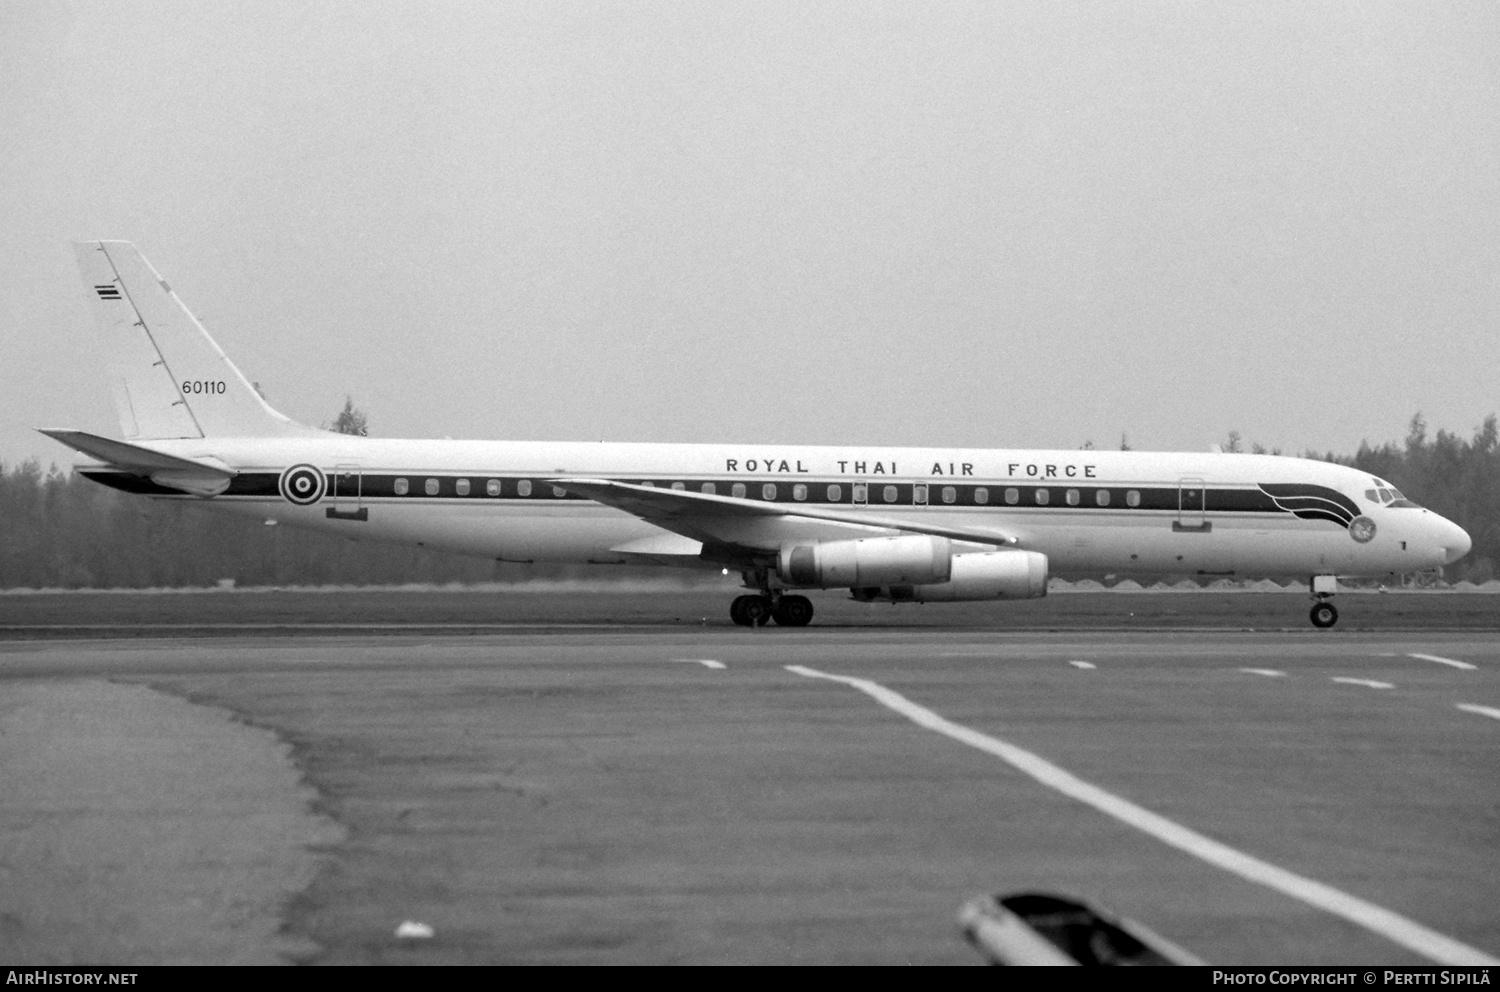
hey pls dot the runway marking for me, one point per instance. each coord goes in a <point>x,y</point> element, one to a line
<point>1367,682</point>
<point>1444,661</point>
<point>1268,672</point>
<point>705,662</point>
<point>1082,664</point>
<point>1408,933</point>
<point>1488,711</point>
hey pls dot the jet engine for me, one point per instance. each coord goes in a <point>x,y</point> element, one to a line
<point>981,575</point>
<point>873,561</point>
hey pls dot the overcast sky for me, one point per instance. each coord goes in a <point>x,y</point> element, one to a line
<point>981,224</point>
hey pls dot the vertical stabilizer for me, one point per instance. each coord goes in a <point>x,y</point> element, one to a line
<point>169,377</point>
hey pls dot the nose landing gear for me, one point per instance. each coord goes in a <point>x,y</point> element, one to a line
<point>1324,614</point>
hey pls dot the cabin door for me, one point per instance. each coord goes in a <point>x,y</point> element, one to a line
<point>347,492</point>
<point>1191,498</point>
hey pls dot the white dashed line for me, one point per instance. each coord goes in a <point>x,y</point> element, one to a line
<point>1488,711</point>
<point>705,662</point>
<point>1445,661</point>
<point>1366,682</point>
<point>1082,664</point>
<point>1273,673</point>
<point>1408,933</point>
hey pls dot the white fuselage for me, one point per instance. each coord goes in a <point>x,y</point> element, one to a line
<point>1087,511</point>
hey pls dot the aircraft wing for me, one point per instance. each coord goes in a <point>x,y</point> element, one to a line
<point>199,476</point>
<point>755,526</point>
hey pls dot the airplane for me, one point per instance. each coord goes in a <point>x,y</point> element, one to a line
<point>901,525</point>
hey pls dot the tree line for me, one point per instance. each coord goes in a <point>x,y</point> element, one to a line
<point>59,530</point>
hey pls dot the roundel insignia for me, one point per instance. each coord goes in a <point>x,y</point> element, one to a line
<point>302,484</point>
<point>1362,529</point>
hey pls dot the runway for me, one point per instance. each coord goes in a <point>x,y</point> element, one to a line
<point>649,794</point>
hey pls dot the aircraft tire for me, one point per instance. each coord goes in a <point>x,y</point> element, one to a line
<point>737,611</point>
<point>1324,615</point>
<point>793,611</point>
<point>756,611</point>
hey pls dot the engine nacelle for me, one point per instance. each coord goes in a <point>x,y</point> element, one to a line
<point>982,575</point>
<point>913,560</point>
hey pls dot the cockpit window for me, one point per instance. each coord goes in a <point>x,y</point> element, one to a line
<point>1390,497</point>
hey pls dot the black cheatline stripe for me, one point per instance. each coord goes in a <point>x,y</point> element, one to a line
<point>1315,508</point>
<point>1018,497</point>
<point>133,484</point>
<point>1309,504</point>
<point>1285,490</point>
<point>1321,515</point>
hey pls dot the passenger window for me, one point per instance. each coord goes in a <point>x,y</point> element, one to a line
<point>1133,497</point>
<point>1012,496</point>
<point>1072,497</point>
<point>835,494</point>
<point>889,493</point>
<point>648,483</point>
<point>431,487</point>
<point>492,487</point>
<point>738,491</point>
<point>949,494</point>
<point>1043,497</point>
<point>859,492</point>
<point>559,492</point>
<point>768,491</point>
<point>1102,497</point>
<point>799,492</point>
<point>710,489</point>
<point>524,487</point>
<point>401,487</point>
<point>981,495</point>
<point>461,487</point>
<point>678,486</point>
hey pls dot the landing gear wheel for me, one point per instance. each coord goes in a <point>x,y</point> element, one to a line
<point>1324,615</point>
<point>793,611</point>
<point>756,611</point>
<point>737,611</point>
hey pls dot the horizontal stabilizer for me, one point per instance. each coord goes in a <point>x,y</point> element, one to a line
<point>199,476</point>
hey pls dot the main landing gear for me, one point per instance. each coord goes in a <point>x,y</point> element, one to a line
<point>1324,614</point>
<point>788,611</point>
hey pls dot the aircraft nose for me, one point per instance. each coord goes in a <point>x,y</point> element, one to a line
<point>1455,541</point>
